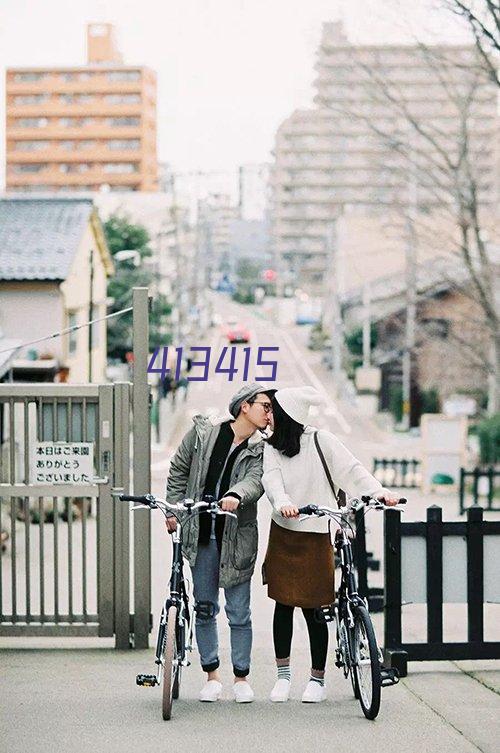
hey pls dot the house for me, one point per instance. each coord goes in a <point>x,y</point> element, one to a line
<point>54,265</point>
<point>451,338</point>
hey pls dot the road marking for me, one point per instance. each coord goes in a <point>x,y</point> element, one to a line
<point>331,406</point>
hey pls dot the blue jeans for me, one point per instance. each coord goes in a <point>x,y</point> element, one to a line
<point>206,589</point>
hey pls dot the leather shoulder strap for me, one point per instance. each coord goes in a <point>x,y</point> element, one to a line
<point>339,495</point>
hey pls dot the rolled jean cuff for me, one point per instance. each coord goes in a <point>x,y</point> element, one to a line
<point>211,667</point>
<point>241,672</point>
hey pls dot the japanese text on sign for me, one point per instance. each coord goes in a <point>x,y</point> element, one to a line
<point>62,462</point>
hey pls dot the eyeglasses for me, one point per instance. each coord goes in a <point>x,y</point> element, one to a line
<point>267,406</point>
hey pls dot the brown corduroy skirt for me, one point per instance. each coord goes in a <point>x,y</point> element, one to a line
<point>299,567</point>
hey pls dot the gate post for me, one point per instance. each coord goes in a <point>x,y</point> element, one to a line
<point>121,518</point>
<point>142,469</point>
<point>394,655</point>
<point>105,514</point>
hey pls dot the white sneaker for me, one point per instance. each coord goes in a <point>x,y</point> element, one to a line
<point>314,692</point>
<point>243,692</point>
<point>281,691</point>
<point>211,691</point>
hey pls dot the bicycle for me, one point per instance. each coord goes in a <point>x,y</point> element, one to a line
<point>175,629</point>
<point>356,653</point>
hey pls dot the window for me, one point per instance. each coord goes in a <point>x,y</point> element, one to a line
<point>120,167</point>
<point>124,76</point>
<point>31,146</point>
<point>69,145</point>
<point>123,99</point>
<point>123,121</point>
<point>29,76</point>
<point>66,98</point>
<point>85,144</point>
<point>437,329</point>
<point>82,99</point>
<point>131,144</point>
<point>36,167</point>
<point>72,336</point>
<point>67,76</point>
<point>77,167</point>
<point>32,122</point>
<point>30,99</point>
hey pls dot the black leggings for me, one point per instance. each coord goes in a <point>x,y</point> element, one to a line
<point>283,630</point>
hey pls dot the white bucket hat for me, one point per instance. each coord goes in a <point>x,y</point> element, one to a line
<point>296,401</point>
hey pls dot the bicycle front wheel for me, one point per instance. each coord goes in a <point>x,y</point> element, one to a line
<point>367,675</point>
<point>170,666</point>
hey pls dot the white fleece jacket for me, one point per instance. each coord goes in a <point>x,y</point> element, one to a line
<point>302,480</point>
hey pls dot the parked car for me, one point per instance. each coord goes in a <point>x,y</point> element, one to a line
<point>236,332</point>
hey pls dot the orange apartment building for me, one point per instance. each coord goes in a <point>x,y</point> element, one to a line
<point>82,127</point>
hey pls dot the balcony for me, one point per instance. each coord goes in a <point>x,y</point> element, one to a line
<point>56,153</point>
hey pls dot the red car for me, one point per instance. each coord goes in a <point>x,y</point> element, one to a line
<point>237,332</point>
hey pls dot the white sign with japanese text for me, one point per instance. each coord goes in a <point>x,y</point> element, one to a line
<point>62,462</point>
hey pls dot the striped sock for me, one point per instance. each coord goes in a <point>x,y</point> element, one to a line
<point>319,680</point>
<point>284,672</point>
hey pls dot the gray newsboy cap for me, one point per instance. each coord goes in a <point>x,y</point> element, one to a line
<point>246,393</point>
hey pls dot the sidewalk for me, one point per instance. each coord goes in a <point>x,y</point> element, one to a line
<point>87,700</point>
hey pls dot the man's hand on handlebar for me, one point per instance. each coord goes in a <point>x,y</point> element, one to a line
<point>289,511</point>
<point>229,503</point>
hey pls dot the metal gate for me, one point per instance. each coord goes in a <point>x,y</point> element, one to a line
<point>64,565</point>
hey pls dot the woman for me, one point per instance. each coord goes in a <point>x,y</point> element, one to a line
<point>299,564</point>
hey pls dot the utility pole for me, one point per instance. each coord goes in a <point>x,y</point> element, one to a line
<point>366,324</point>
<point>179,272</point>
<point>336,324</point>
<point>410,274</point>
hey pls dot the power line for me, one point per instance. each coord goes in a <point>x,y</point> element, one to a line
<point>66,331</point>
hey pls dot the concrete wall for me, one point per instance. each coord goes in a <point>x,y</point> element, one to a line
<point>29,310</point>
<point>76,296</point>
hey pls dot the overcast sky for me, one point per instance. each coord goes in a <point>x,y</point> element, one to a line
<point>229,71</point>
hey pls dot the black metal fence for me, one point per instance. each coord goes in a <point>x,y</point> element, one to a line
<point>400,474</point>
<point>480,555</point>
<point>484,488</point>
<point>365,561</point>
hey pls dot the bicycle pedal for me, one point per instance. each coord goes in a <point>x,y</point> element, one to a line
<point>146,681</point>
<point>389,676</point>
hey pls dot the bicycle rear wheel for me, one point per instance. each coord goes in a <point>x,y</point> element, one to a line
<point>170,666</point>
<point>366,663</point>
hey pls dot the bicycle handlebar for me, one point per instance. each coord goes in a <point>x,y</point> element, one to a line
<point>367,501</point>
<point>188,505</point>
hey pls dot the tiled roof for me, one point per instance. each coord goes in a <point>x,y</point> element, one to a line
<point>39,237</point>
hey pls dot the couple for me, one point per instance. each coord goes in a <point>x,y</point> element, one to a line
<point>230,460</point>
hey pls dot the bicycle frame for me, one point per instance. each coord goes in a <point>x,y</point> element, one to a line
<point>178,595</point>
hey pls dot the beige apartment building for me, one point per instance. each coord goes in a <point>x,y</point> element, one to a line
<point>337,158</point>
<point>82,127</point>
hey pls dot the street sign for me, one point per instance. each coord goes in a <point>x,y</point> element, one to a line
<point>62,462</point>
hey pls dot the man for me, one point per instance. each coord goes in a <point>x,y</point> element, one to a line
<point>223,459</point>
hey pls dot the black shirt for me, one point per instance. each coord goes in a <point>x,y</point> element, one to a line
<point>222,446</point>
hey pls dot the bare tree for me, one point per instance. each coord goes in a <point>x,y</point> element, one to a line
<point>447,168</point>
<point>483,19</point>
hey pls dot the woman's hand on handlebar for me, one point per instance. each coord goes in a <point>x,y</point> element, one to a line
<point>289,511</point>
<point>387,497</point>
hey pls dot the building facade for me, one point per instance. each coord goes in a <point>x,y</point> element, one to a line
<point>54,267</point>
<point>357,152</point>
<point>82,127</point>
